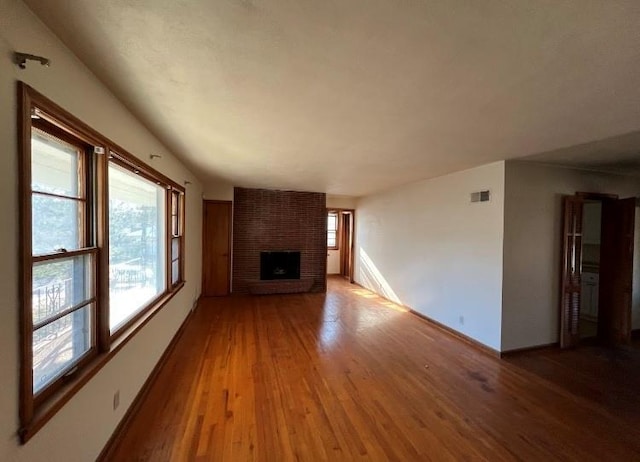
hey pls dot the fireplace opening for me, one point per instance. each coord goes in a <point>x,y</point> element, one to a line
<point>279,265</point>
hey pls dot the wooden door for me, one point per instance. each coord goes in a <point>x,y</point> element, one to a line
<point>571,271</point>
<point>216,248</point>
<point>616,271</point>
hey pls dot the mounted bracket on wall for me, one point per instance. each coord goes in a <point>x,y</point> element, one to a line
<point>155,156</point>
<point>186,182</point>
<point>21,59</point>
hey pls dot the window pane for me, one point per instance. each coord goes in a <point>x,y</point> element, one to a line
<point>56,224</point>
<point>59,285</point>
<point>174,203</point>
<point>175,231</point>
<point>54,165</point>
<point>331,239</point>
<point>58,345</point>
<point>175,271</point>
<point>175,248</point>
<point>332,222</point>
<point>136,243</point>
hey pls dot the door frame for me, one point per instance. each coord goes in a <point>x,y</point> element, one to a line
<point>618,283</point>
<point>230,215</point>
<point>584,196</point>
<point>352,260</point>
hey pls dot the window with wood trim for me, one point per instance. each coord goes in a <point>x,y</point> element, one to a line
<point>333,224</point>
<point>63,255</point>
<point>102,251</point>
<point>137,243</point>
<point>177,236</point>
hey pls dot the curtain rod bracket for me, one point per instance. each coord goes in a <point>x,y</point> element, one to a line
<point>21,59</point>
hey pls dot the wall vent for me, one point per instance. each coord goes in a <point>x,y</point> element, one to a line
<point>481,196</point>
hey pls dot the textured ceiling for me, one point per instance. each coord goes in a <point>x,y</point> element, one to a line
<point>350,97</point>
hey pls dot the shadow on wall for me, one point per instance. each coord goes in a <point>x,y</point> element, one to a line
<point>372,278</point>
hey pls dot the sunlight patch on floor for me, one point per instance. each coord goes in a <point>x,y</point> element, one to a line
<point>365,293</point>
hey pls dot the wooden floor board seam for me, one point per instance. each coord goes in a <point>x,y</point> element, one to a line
<point>348,376</point>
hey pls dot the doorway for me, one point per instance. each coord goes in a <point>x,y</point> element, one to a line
<point>340,242</point>
<point>216,248</point>
<point>590,281</point>
<point>597,269</point>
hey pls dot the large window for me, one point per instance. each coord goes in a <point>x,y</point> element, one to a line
<point>136,243</point>
<point>102,244</point>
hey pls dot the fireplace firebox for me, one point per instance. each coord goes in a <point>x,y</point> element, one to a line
<point>279,265</point>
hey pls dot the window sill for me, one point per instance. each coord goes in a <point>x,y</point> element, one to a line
<point>54,403</point>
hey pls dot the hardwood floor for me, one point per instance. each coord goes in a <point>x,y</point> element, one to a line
<point>350,376</point>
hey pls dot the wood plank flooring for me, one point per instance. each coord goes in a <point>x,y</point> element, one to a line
<point>350,376</point>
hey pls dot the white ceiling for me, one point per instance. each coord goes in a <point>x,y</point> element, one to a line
<point>618,154</point>
<point>351,97</point>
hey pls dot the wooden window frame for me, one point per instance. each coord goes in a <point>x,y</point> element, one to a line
<point>37,409</point>
<point>178,233</point>
<point>117,159</point>
<point>86,247</point>
<point>337,246</point>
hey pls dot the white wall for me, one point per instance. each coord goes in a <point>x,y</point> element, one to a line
<point>427,246</point>
<point>80,429</point>
<point>218,190</point>
<point>532,245</point>
<point>341,202</point>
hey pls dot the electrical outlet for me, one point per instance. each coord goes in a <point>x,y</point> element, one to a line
<point>116,400</point>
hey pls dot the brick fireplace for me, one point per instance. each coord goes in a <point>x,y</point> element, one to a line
<point>267,221</point>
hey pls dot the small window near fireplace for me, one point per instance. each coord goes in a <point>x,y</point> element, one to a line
<point>279,265</point>
<point>333,226</point>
